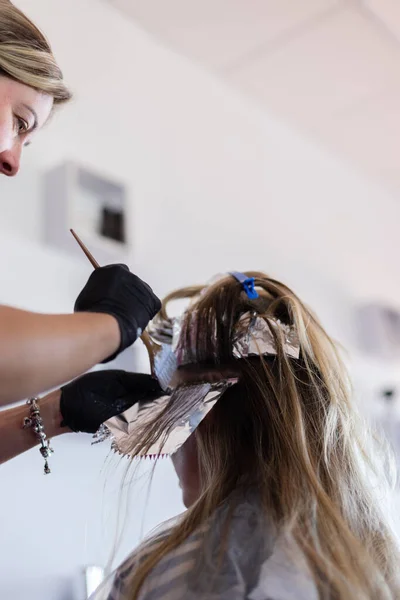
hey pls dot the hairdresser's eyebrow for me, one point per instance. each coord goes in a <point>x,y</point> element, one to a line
<point>35,117</point>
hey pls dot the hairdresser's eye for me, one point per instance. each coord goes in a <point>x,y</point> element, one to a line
<point>21,126</point>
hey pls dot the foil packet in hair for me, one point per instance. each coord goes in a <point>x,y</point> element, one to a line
<point>166,331</point>
<point>199,400</point>
<point>253,337</point>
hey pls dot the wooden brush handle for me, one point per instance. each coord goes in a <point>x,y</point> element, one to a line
<point>90,256</point>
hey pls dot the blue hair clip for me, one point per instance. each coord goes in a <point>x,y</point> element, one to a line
<point>247,284</point>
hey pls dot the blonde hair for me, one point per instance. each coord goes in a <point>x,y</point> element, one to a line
<point>26,56</point>
<point>289,426</point>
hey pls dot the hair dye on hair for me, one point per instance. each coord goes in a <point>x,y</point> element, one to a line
<point>289,430</point>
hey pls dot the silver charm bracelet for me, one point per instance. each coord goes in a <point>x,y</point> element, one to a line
<point>35,422</point>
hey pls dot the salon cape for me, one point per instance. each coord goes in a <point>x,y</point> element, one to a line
<point>254,566</point>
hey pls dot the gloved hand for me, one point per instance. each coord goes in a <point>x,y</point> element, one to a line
<point>116,291</point>
<point>90,400</point>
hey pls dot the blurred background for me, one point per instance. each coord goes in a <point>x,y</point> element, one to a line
<point>203,137</point>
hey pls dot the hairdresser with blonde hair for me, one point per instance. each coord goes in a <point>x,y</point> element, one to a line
<point>38,351</point>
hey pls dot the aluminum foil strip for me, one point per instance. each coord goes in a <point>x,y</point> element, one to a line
<point>165,365</point>
<point>123,428</point>
<point>253,337</point>
<point>161,330</point>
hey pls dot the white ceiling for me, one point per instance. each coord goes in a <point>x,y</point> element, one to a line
<point>329,67</point>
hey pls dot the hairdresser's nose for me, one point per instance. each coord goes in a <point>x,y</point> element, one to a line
<point>10,160</point>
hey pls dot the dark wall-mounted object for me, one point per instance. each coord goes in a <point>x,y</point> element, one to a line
<point>94,206</point>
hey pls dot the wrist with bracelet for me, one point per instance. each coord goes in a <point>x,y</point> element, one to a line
<point>35,422</point>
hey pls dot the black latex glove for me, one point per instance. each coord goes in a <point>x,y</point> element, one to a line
<point>95,397</point>
<point>116,291</point>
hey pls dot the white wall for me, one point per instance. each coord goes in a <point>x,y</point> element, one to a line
<point>197,154</point>
<point>215,185</point>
